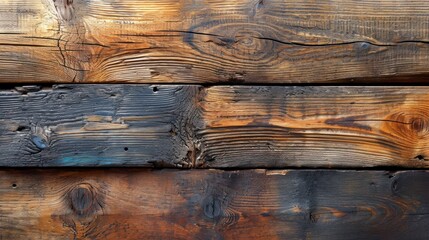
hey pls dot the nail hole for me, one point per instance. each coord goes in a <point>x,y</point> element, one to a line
<point>125,149</point>
<point>14,185</point>
<point>420,157</point>
<point>155,89</point>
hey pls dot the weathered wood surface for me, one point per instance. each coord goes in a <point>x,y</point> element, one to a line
<point>212,204</point>
<point>251,126</point>
<point>219,127</point>
<point>96,125</point>
<point>248,41</point>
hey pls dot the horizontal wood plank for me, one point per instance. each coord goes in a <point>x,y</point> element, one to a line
<point>214,127</point>
<point>96,125</point>
<point>213,204</point>
<point>246,41</point>
<point>252,126</point>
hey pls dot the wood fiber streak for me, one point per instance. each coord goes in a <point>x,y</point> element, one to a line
<point>213,204</point>
<point>254,126</point>
<point>97,125</point>
<point>214,41</point>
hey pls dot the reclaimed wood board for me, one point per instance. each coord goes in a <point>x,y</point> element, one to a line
<point>193,126</point>
<point>214,41</point>
<point>213,204</point>
<point>255,126</point>
<point>96,125</point>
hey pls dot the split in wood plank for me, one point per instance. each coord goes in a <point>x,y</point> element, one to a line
<point>246,41</point>
<point>214,127</point>
<point>213,204</point>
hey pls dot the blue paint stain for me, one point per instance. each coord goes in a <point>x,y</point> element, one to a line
<point>86,161</point>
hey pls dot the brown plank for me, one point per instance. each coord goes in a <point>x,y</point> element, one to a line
<point>210,204</point>
<point>247,41</point>
<point>252,126</point>
<point>96,125</point>
<point>214,127</point>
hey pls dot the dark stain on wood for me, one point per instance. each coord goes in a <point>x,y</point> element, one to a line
<point>351,122</point>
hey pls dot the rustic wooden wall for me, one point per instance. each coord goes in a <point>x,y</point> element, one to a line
<point>277,119</point>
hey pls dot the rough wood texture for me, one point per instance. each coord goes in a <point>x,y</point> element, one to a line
<point>96,125</point>
<point>210,204</point>
<point>250,126</point>
<point>221,127</point>
<point>248,41</point>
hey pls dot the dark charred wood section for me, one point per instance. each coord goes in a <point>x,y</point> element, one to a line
<point>98,125</point>
<point>213,204</point>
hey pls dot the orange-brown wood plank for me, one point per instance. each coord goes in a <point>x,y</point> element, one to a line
<point>247,41</point>
<point>214,127</point>
<point>211,204</point>
<point>255,126</point>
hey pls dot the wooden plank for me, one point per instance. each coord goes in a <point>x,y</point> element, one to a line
<point>255,126</point>
<point>247,41</point>
<point>215,127</point>
<point>212,204</point>
<point>96,125</point>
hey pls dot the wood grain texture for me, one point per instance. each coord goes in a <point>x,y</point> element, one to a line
<point>252,126</point>
<point>215,127</point>
<point>96,125</point>
<point>213,204</point>
<point>246,41</point>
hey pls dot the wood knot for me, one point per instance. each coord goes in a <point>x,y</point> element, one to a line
<point>419,125</point>
<point>236,40</point>
<point>362,49</point>
<point>364,46</point>
<point>39,142</point>
<point>408,129</point>
<point>212,207</point>
<point>83,199</point>
<point>407,124</point>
